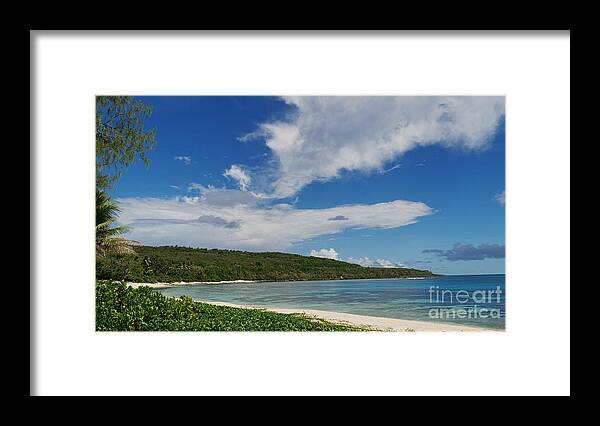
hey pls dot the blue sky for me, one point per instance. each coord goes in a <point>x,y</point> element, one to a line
<point>379,181</point>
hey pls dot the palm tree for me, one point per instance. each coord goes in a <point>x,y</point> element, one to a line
<point>108,238</point>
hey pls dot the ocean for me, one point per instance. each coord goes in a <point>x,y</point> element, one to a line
<point>477,300</point>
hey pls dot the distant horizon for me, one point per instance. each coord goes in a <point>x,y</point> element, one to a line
<point>410,182</point>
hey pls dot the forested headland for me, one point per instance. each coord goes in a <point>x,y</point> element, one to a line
<point>174,264</point>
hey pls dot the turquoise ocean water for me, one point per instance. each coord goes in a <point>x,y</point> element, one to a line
<point>477,300</point>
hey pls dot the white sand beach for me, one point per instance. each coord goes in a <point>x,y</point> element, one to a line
<point>375,323</point>
<point>184,283</point>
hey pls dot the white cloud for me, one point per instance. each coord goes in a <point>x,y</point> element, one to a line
<point>328,135</point>
<point>501,198</point>
<point>327,254</point>
<point>331,253</point>
<point>223,197</point>
<point>174,187</point>
<point>239,220</point>
<point>390,169</point>
<point>187,160</point>
<point>255,135</point>
<point>374,263</point>
<point>236,173</point>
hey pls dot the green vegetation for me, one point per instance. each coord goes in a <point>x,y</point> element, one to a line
<point>173,264</point>
<point>121,137</point>
<point>122,308</point>
<point>108,239</point>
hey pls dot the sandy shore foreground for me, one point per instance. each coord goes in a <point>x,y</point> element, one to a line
<point>375,323</point>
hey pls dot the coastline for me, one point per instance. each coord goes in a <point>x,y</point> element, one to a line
<point>183,283</point>
<point>371,322</point>
<point>159,285</point>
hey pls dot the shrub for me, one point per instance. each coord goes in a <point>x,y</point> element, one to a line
<point>122,308</point>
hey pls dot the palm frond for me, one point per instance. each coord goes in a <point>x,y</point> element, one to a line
<point>108,239</point>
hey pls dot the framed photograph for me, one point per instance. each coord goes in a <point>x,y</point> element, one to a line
<point>264,204</point>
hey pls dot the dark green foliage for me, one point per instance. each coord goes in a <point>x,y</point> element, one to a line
<point>173,264</point>
<point>122,308</point>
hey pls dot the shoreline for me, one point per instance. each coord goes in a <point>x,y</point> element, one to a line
<point>184,283</point>
<point>160,285</point>
<point>372,322</point>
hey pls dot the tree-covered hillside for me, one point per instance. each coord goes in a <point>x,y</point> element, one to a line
<point>172,264</point>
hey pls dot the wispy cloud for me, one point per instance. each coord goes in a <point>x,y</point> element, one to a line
<point>186,159</point>
<point>174,187</point>
<point>390,169</point>
<point>374,263</point>
<point>328,135</point>
<point>252,136</point>
<point>331,253</point>
<point>191,220</point>
<point>470,252</point>
<point>501,197</point>
<point>236,173</point>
